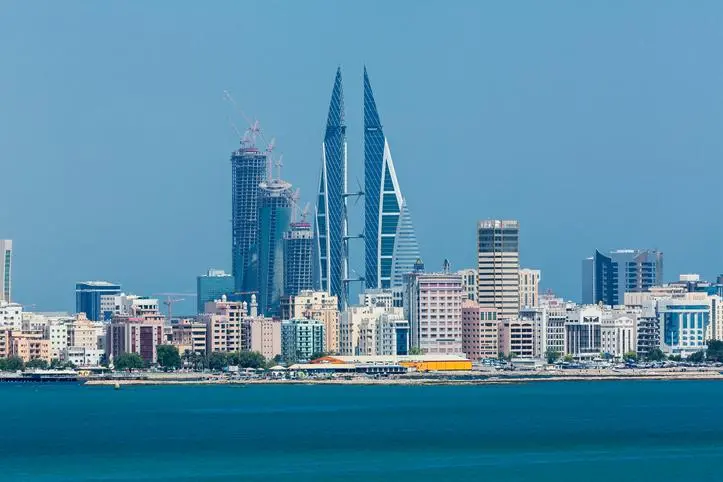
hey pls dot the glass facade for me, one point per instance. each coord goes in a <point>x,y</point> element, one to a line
<point>275,209</point>
<point>331,223</point>
<point>382,206</point>
<point>248,170</point>
<point>405,249</point>
<point>298,251</point>
<point>684,326</point>
<point>6,271</point>
<point>88,298</point>
<point>212,286</point>
<point>606,279</point>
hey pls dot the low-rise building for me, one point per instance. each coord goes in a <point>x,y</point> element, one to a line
<point>30,346</point>
<point>83,357</point>
<point>480,331</point>
<point>583,332</point>
<point>320,306</point>
<point>190,336</point>
<point>11,315</point>
<point>618,331</point>
<point>302,338</point>
<point>683,325</point>
<point>518,338</point>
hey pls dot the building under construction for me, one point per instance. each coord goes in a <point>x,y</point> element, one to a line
<point>248,170</point>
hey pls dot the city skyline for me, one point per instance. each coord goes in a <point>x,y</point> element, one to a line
<point>456,131</point>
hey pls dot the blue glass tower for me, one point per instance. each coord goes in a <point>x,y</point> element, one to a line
<point>331,221</point>
<point>382,205</point>
<point>89,298</point>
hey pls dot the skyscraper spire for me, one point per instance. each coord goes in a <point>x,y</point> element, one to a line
<point>382,203</point>
<point>330,219</point>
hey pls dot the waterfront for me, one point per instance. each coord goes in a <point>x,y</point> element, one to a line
<point>644,430</point>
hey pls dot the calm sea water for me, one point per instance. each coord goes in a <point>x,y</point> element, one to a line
<point>598,431</point>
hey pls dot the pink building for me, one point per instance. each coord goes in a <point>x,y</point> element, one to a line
<point>480,331</point>
<point>134,335</point>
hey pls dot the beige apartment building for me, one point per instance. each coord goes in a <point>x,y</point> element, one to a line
<point>529,288</point>
<point>189,336</point>
<point>30,347</point>
<point>320,306</point>
<point>263,335</point>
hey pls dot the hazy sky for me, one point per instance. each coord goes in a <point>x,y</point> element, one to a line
<point>596,125</point>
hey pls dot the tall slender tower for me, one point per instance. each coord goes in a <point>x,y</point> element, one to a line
<point>298,249</point>
<point>248,169</point>
<point>275,208</point>
<point>383,203</point>
<point>498,266</point>
<point>6,269</point>
<point>331,220</point>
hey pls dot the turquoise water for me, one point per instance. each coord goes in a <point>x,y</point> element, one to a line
<point>597,431</point>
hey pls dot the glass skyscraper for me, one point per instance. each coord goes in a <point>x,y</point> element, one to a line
<point>382,205</point>
<point>606,279</point>
<point>211,286</point>
<point>298,252</point>
<point>248,169</point>
<point>275,207</point>
<point>406,248</point>
<point>331,217</point>
<point>6,268</point>
<point>88,298</point>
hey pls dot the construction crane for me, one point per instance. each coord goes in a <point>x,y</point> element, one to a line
<point>172,298</point>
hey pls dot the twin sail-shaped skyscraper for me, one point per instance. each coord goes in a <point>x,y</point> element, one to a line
<point>390,244</point>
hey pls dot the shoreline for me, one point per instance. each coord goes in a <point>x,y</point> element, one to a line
<point>441,380</point>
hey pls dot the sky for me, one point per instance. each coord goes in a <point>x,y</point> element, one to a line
<point>596,124</point>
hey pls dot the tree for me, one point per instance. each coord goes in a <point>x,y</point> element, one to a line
<point>552,356</point>
<point>568,358</point>
<point>656,354</point>
<point>11,364</point>
<point>217,360</point>
<point>128,361</point>
<point>318,354</point>
<point>37,363</point>
<point>168,356</point>
<point>675,358</point>
<point>715,351</point>
<point>697,357</point>
<point>415,350</point>
<point>251,359</point>
<point>630,356</point>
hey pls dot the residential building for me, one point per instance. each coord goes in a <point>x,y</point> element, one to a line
<point>6,342</point>
<point>223,324</point>
<point>555,316</point>
<point>383,206</point>
<point>469,283</point>
<point>6,270</point>
<point>248,170</point>
<point>377,297</point>
<point>127,334</point>
<point>374,329</point>
<point>331,255</point>
<point>83,357</point>
<point>529,287</point>
<point>263,336</point>
<point>30,346</point>
<point>211,286</point>
<point>433,306</point>
<point>57,334</point>
<point>298,259</point>
<point>88,296</point>
<point>606,279</point>
<point>302,338</point>
<point>321,306</point>
<point>83,333</point>
<point>583,332</point>
<point>480,331</point>
<point>683,325</point>
<point>189,335</point>
<point>498,266</point>
<point>648,329</point>
<point>275,206</point>
<point>11,315</point>
<point>517,338</point>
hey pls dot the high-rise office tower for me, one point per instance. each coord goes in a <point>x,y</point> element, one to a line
<point>211,286</point>
<point>275,207</point>
<point>331,217</point>
<point>498,266</point>
<point>606,279</point>
<point>298,259</point>
<point>6,269</point>
<point>406,248</point>
<point>383,205</point>
<point>96,299</point>
<point>248,169</point>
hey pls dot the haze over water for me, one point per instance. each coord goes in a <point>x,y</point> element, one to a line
<point>645,430</point>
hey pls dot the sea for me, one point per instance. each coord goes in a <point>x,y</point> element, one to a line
<point>538,432</point>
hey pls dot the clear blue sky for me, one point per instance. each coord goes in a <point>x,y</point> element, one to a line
<point>596,125</point>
